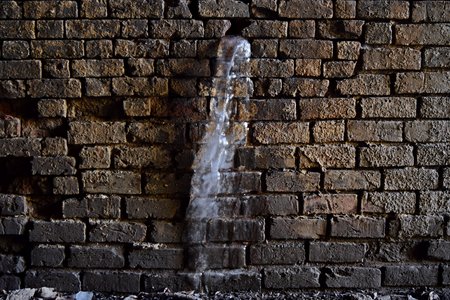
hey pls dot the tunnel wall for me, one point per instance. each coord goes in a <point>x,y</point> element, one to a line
<point>343,181</point>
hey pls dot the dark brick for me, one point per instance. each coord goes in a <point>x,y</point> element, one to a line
<point>385,9</point>
<point>232,281</point>
<point>132,9</point>
<point>302,29</point>
<point>99,49</point>
<point>269,157</point>
<point>96,157</point>
<point>50,29</point>
<point>411,276</point>
<point>12,29</point>
<point>10,264</point>
<point>98,68</point>
<point>433,154</point>
<point>51,9</point>
<point>303,9</point>
<point>140,86</point>
<point>64,281</point>
<point>329,156</point>
<point>435,107</point>
<point>52,108</point>
<point>84,132</point>
<point>66,186</point>
<point>430,11</point>
<point>154,208</point>
<point>388,107</point>
<point>92,29</point>
<point>353,277</point>
<point>54,88</point>
<point>158,282</point>
<point>434,202</point>
<point>158,258</point>
<point>292,181</point>
<point>365,84</point>
<point>13,205</point>
<point>439,250</point>
<point>216,257</point>
<point>48,256</point>
<point>166,232</point>
<point>424,34</point>
<point>62,165</point>
<point>269,205</point>
<point>389,202</point>
<point>375,131</point>
<point>327,108</point>
<point>266,29</point>
<point>176,28</point>
<point>330,204</point>
<point>437,57</point>
<point>422,82</point>
<point>306,48</point>
<point>267,109</point>
<point>305,87</point>
<point>15,49</point>
<point>223,9</point>
<point>65,231</point>
<point>94,9</point>
<point>297,228</point>
<point>9,282</point>
<point>96,257</point>
<point>57,49</point>
<point>142,48</point>
<point>291,278</point>
<point>13,225</point>
<point>56,68</point>
<point>352,180</point>
<point>110,281</point>
<point>240,230</point>
<point>331,252</point>
<point>10,10</point>
<point>287,253</point>
<point>117,231</point>
<point>341,29</point>
<point>11,89</point>
<point>411,226</point>
<point>24,69</point>
<point>357,227</point>
<point>92,206</point>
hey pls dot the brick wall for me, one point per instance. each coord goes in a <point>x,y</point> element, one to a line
<point>343,182</point>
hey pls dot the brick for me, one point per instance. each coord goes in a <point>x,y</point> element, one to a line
<point>51,9</point>
<point>430,11</point>
<point>422,34</point>
<point>388,107</point>
<point>283,253</point>
<point>267,87</point>
<point>446,180</point>
<point>302,29</point>
<point>111,182</point>
<point>341,29</point>
<point>64,281</point>
<point>116,231</point>
<point>348,50</point>
<point>10,127</point>
<point>141,157</point>
<point>127,9</point>
<point>25,69</point>
<point>56,68</point>
<point>84,132</point>
<point>216,257</point>
<point>268,109</point>
<point>331,252</point>
<point>353,277</point>
<point>339,69</point>
<point>306,48</point>
<point>275,132</point>
<point>437,57</point>
<point>183,67</point>
<point>10,264</point>
<point>12,89</point>
<point>262,8</point>
<point>180,28</point>
<point>234,182</point>
<point>92,29</point>
<point>13,225</point>
<point>427,131</point>
<point>330,156</point>
<point>330,204</point>
<point>411,179</point>
<point>386,156</point>
<point>328,131</point>
<point>345,9</point>
<point>158,282</point>
<point>222,9</point>
<point>240,230</point>
<point>303,9</point>
<point>50,29</point>
<point>392,59</point>
<point>9,282</point>
<point>288,181</point>
<point>140,86</point>
<point>347,180</point>
<point>434,202</point>
<point>266,157</point>
<point>266,29</point>
<point>65,186</point>
<point>54,88</point>
<point>15,49</point>
<point>111,281</point>
<point>98,68</point>
<point>154,208</point>
<point>13,205</point>
<point>96,257</point>
<point>297,228</point>
<point>411,275</point>
<point>160,258</point>
<point>446,275</point>
<point>179,10</point>
<point>389,202</point>
<point>435,107</point>
<point>308,67</point>
<point>137,107</point>
<point>48,256</point>
<point>62,165</point>
<point>99,49</point>
<point>92,9</point>
<point>58,231</point>
<point>52,108</point>
<point>327,108</point>
<point>216,28</point>
<point>433,154</point>
<point>291,278</point>
<point>184,48</point>
<point>375,131</point>
<point>166,232</point>
<point>266,205</point>
<point>12,29</point>
<point>271,67</point>
<point>57,49</point>
<point>420,226</point>
<point>167,183</point>
<point>384,9</point>
<point>439,250</point>
<point>428,83</point>
<point>378,33</point>
<point>96,157</point>
<point>305,87</point>
<point>142,48</point>
<point>141,66</point>
<point>358,227</point>
<point>10,10</point>
<point>92,206</point>
<point>135,28</point>
<point>230,281</point>
<point>365,84</point>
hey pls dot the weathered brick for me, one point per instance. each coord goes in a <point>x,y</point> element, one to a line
<point>446,178</point>
<point>339,69</point>
<point>15,49</point>
<point>330,156</point>
<point>328,131</point>
<point>13,225</point>
<point>263,8</point>
<point>330,204</point>
<point>216,28</point>
<point>111,182</point>
<point>216,257</point>
<point>223,9</point>
<point>232,281</point>
<point>64,281</point>
<point>276,132</point>
<point>239,230</point>
<point>268,109</point>
<point>178,28</point>
<point>135,28</point>
<point>52,108</point>
<point>283,253</point>
<point>306,48</point>
<point>331,252</point>
<point>13,205</point>
<point>52,9</point>
<point>167,232</point>
<point>48,256</point>
<point>348,50</point>
<point>50,29</point>
<point>267,87</point>
<point>411,226</point>
<point>435,107</point>
<point>24,69</point>
<point>411,275</point>
<point>140,66</point>
<point>345,9</point>
<point>265,205</point>
<point>10,264</point>
<point>98,68</point>
<point>289,181</point>
<point>303,9</point>
<point>10,282</point>
<point>388,107</point>
<point>433,154</point>
<point>92,206</point>
<point>346,180</point>
<point>392,59</point>
<point>297,228</point>
<point>10,127</point>
<point>20,29</point>
<point>291,278</point>
<point>358,227</point>
<point>97,157</point>
<point>365,84</point>
<point>389,202</point>
<point>10,10</point>
<point>266,29</point>
<point>378,33</point>
<point>266,67</point>
<point>54,88</point>
<point>142,48</point>
<point>305,87</point>
<point>167,183</point>
<point>434,202</point>
<point>446,275</point>
<point>422,34</point>
<point>141,157</point>
<point>439,250</point>
<point>302,29</point>
<point>58,231</point>
<point>92,29</point>
<point>84,132</point>
<point>327,108</point>
<point>423,83</point>
<point>411,179</point>
<point>11,89</point>
<point>137,107</point>
<point>437,57</point>
<point>341,29</point>
<point>375,131</point>
<point>140,86</point>
<point>183,67</point>
<point>383,9</point>
<point>266,157</point>
<point>308,67</point>
<point>56,68</point>
<point>353,277</point>
<point>158,258</point>
<point>65,185</point>
<point>386,156</point>
<point>238,183</point>
<point>427,131</point>
<point>96,257</point>
<point>116,231</point>
<point>112,281</point>
<point>430,11</point>
<point>92,9</point>
<point>154,208</point>
<point>128,9</point>
<point>57,49</point>
<point>158,282</point>
<point>60,165</point>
